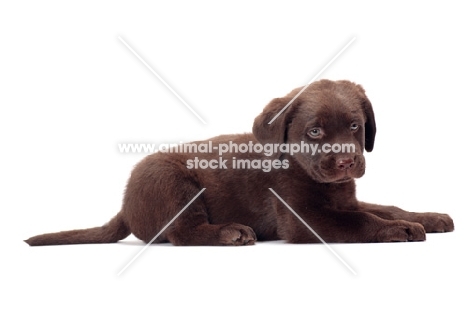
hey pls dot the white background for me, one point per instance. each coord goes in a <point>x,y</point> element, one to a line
<point>70,91</point>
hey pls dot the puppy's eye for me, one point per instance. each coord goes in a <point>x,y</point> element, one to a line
<point>354,127</point>
<point>315,132</point>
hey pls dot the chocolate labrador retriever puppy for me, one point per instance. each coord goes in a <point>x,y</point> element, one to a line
<point>238,207</point>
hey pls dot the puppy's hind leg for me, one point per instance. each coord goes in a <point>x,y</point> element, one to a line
<point>158,190</point>
<point>193,228</point>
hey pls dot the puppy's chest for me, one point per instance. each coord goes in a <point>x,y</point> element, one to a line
<point>340,197</point>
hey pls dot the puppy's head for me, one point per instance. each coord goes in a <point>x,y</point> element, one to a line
<point>333,118</point>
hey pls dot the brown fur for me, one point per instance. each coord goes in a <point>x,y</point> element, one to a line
<point>237,207</point>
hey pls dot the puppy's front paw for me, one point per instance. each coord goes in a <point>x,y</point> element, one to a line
<point>236,234</point>
<point>435,222</point>
<point>401,231</point>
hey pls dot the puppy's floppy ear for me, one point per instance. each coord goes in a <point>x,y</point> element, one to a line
<point>276,132</point>
<point>370,127</point>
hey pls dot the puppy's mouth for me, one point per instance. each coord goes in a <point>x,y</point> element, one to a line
<point>335,177</point>
<point>341,177</point>
<point>342,180</point>
<point>338,176</point>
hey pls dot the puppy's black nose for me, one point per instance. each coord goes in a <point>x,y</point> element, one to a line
<point>344,163</point>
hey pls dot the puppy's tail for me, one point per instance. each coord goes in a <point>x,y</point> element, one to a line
<point>113,231</point>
